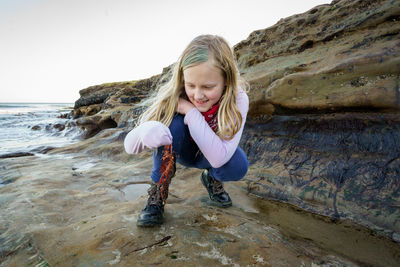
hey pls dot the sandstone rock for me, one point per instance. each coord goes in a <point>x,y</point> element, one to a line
<point>110,95</point>
<point>59,126</point>
<point>324,108</point>
<point>113,104</point>
<point>75,210</point>
<point>65,116</point>
<point>341,165</point>
<point>325,59</point>
<point>99,93</point>
<point>94,124</point>
<point>36,128</point>
<point>70,124</point>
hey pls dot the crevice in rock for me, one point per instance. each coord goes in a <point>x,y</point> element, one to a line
<point>308,44</point>
<point>108,123</point>
<point>393,18</point>
<point>16,155</point>
<point>281,110</point>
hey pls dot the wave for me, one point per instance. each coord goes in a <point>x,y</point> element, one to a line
<point>24,126</point>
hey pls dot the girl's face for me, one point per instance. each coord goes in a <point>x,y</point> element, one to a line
<point>204,85</point>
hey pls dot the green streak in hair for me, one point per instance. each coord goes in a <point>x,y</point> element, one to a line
<point>197,56</point>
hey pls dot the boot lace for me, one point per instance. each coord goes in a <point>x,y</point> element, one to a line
<point>217,186</point>
<point>154,195</point>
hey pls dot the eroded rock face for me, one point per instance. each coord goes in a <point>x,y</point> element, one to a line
<point>341,56</point>
<point>323,124</point>
<point>342,165</point>
<point>113,105</point>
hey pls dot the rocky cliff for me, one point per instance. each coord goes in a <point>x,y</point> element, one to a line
<point>333,58</point>
<point>324,125</point>
<point>112,105</point>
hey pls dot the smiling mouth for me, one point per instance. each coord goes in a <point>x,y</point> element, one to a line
<point>201,102</point>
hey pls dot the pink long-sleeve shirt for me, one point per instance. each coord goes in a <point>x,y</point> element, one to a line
<point>217,151</point>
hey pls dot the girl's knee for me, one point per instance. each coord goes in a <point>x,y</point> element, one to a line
<point>235,169</point>
<point>240,170</point>
<point>241,163</point>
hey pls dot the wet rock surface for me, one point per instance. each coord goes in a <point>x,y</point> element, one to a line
<point>341,165</point>
<point>77,210</point>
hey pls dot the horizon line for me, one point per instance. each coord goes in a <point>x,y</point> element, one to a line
<point>1,102</point>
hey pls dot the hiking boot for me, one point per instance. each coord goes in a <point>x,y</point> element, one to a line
<point>216,190</point>
<point>153,213</point>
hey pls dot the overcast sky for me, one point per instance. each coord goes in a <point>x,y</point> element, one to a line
<point>50,49</point>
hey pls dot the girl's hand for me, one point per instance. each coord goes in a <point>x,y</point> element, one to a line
<point>184,106</point>
<point>150,134</point>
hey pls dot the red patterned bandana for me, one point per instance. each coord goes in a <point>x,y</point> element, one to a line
<point>211,117</point>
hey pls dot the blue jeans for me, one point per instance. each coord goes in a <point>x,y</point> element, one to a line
<point>188,154</point>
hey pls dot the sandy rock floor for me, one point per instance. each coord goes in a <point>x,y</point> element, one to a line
<point>71,209</point>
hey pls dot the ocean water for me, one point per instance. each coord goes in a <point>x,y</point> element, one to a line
<point>27,127</point>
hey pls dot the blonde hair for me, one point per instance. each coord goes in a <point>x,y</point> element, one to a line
<point>163,104</point>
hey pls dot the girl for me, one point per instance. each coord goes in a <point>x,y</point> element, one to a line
<point>201,111</point>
